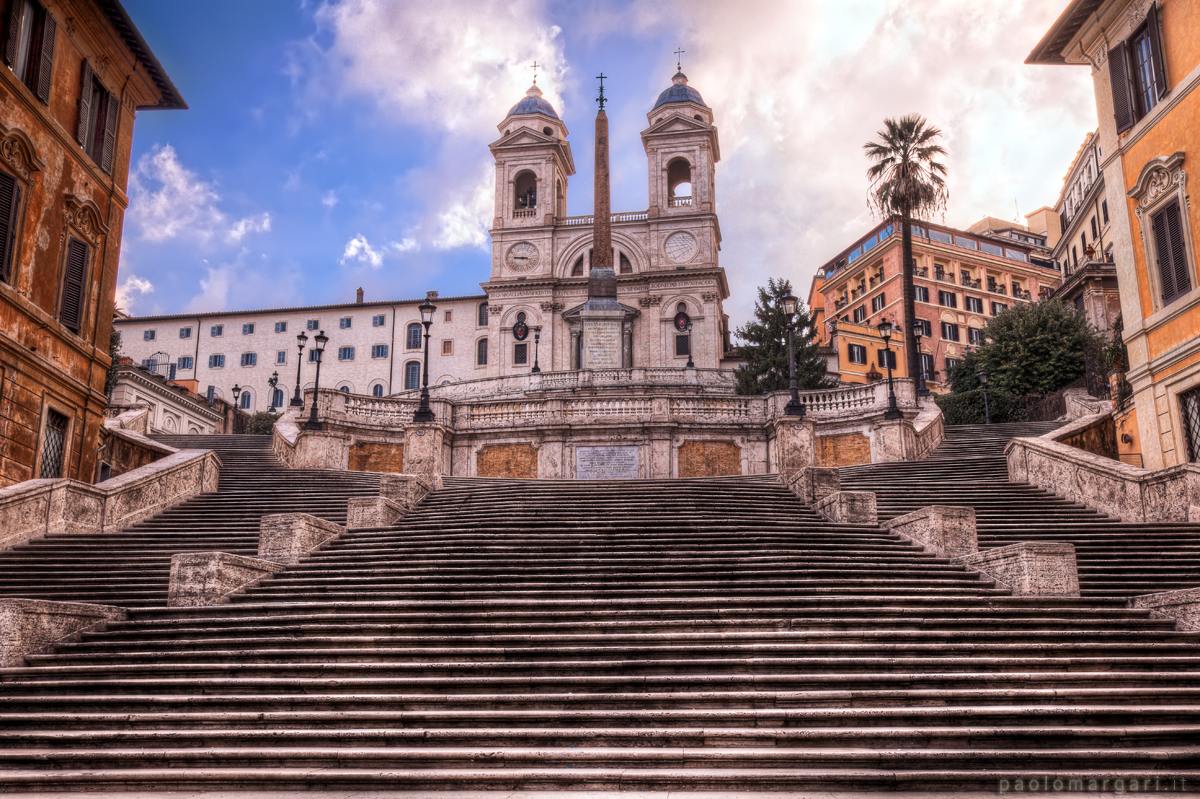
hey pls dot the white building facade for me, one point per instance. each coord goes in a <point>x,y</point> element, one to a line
<point>665,258</point>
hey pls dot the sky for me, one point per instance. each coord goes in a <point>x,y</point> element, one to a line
<point>332,145</point>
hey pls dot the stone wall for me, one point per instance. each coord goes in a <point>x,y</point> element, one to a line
<point>376,456</point>
<point>709,459</point>
<point>848,449</point>
<point>507,460</point>
<point>1098,437</point>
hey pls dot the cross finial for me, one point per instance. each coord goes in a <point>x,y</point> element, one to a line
<point>600,99</point>
<point>678,60</point>
<point>535,69</point>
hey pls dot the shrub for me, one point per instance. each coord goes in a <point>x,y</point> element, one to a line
<point>966,407</point>
<point>261,424</point>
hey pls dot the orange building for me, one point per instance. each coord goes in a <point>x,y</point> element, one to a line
<point>962,280</point>
<point>1145,63</point>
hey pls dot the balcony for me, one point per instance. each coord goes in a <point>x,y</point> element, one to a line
<point>1020,294</point>
<point>971,284</point>
<point>678,202</point>
<point>996,288</point>
<point>921,271</point>
<point>839,304</point>
<point>943,277</point>
<point>519,213</point>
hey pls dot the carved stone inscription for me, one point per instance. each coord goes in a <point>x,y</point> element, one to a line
<point>606,463</point>
<point>602,344</point>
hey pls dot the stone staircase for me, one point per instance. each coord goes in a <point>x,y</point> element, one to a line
<point>1115,559</point>
<point>687,634</point>
<point>132,568</point>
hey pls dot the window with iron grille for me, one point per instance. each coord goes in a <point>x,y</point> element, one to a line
<point>54,445</point>
<point>483,315</point>
<point>857,353</point>
<point>345,353</point>
<point>481,348</point>
<point>379,350</point>
<point>249,359</point>
<point>949,331</point>
<point>412,339</point>
<point>521,354</point>
<point>412,375</point>
<point>683,346</point>
<point>1189,403</point>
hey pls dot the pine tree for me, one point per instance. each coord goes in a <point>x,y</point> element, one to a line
<point>766,345</point>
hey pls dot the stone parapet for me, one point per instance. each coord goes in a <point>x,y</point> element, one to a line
<point>372,512</point>
<point>43,507</point>
<point>945,530</point>
<point>287,537</point>
<point>425,454</point>
<point>848,507</point>
<point>1182,606</point>
<point>405,490</point>
<point>207,578</point>
<point>1127,492</point>
<point>813,483</point>
<point>31,626</point>
<point>1029,569</point>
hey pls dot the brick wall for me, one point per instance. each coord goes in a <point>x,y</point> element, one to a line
<point>372,456</point>
<point>709,459</point>
<point>507,460</point>
<point>848,449</point>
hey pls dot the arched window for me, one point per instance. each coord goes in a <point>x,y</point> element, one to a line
<point>482,321</point>
<point>279,400</point>
<point>377,390</point>
<point>345,389</point>
<point>679,182</point>
<point>626,266</point>
<point>246,399</point>
<point>413,339</point>
<point>481,348</point>
<point>561,207</point>
<point>526,192</point>
<point>412,375</point>
<point>577,269</point>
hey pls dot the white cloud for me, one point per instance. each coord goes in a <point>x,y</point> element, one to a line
<point>404,245</point>
<point>130,290</point>
<point>359,250</point>
<point>250,224</point>
<point>465,223</point>
<point>329,199</point>
<point>226,286</point>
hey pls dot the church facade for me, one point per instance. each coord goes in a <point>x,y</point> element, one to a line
<point>665,260</point>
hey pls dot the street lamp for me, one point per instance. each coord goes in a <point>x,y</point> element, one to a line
<point>301,340</point>
<point>423,412</point>
<point>319,342</point>
<point>690,364</point>
<point>987,414</point>
<point>885,332</point>
<point>237,392</point>
<point>272,381</point>
<point>918,331</point>
<point>794,407</point>
<point>537,336</point>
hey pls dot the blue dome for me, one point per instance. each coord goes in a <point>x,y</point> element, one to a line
<point>532,103</point>
<point>680,92</point>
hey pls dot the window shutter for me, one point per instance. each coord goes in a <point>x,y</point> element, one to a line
<point>12,43</point>
<point>10,203</point>
<point>1119,79</point>
<point>45,73</point>
<point>1162,251</point>
<point>110,133</point>
<point>1179,268</point>
<point>71,315</point>
<point>85,105</point>
<point>1157,56</point>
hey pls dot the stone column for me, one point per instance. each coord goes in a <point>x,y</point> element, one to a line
<point>424,453</point>
<point>575,364</point>
<point>627,346</point>
<point>795,444</point>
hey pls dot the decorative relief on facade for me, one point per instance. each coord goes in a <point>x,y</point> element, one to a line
<point>710,296</point>
<point>552,307</point>
<point>681,247</point>
<point>522,257</point>
<point>651,301</point>
<point>84,216</point>
<point>494,310</point>
<point>1160,176</point>
<point>18,153</point>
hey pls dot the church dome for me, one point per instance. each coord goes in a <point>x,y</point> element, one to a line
<point>532,103</point>
<point>679,92</point>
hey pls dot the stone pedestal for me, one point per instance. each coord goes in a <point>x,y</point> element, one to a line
<point>32,626</point>
<point>603,343</point>
<point>892,440</point>
<point>372,512</point>
<point>287,537</point>
<point>945,530</point>
<point>405,490</point>
<point>1029,569</point>
<point>206,578</point>
<point>813,483</point>
<point>424,453</point>
<point>1183,606</point>
<point>795,444</point>
<point>849,507</point>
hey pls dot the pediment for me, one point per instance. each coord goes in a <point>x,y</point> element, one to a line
<point>573,313</point>
<point>524,137</point>
<point>676,124</point>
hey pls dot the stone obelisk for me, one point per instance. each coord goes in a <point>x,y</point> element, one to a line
<point>601,318</point>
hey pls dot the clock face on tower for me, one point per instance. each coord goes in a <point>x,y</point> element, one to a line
<point>522,257</point>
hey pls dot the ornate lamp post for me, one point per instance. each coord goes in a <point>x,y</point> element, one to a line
<point>319,342</point>
<point>537,336</point>
<point>918,331</point>
<point>272,381</point>
<point>423,412</point>
<point>885,332</point>
<point>690,364</point>
<point>237,392</point>
<point>794,406</point>
<point>987,414</point>
<point>301,340</point>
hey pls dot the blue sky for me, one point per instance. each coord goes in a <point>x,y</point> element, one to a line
<point>343,144</point>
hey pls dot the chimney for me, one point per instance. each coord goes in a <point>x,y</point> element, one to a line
<point>359,296</point>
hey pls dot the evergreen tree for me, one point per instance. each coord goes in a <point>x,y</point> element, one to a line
<point>1030,349</point>
<point>766,345</point>
<point>114,352</point>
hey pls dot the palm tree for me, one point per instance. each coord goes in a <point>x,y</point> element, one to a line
<point>907,182</point>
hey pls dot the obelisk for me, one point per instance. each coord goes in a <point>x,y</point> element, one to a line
<point>601,317</point>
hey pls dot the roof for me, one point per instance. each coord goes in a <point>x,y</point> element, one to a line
<point>119,18</point>
<point>214,314</point>
<point>532,103</point>
<point>679,92</point>
<point>1050,49</point>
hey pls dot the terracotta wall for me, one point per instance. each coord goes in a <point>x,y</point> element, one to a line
<point>709,459</point>
<point>849,449</point>
<point>507,460</point>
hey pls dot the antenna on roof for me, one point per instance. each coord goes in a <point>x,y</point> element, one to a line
<point>1017,218</point>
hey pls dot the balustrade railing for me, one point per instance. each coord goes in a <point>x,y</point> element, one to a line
<point>524,212</point>
<point>677,202</point>
<point>626,216</point>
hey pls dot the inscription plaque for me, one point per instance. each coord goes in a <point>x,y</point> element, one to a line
<point>602,344</point>
<point>606,463</point>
